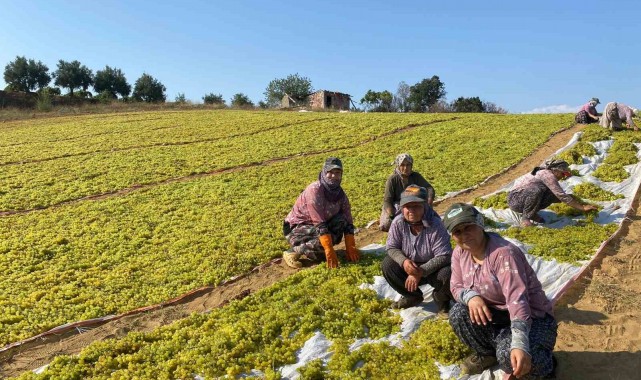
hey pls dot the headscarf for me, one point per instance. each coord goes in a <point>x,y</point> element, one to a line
<point>331,187</point>
<point>552,164</point>
<point>400,159</point>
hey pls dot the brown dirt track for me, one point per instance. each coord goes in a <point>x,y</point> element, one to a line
<point>599,317</point>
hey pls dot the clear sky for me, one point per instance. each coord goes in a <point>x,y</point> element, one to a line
<point>537,56</point>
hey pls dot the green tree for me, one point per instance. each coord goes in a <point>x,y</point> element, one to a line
<point>111,82</point>
<point>241,100</point>
<point>212,98</point>
<point>26,75</point>
<point>180,98</point>
<point>296,86</point>
<point>149,89</point>
<point>73,75</point>
<point>426,93</point>
<point>378,101</point>
<point>473,104</point>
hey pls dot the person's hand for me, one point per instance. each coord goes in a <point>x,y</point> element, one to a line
<point>479,312</point>
<point>521,362</point>
<point>411,268</point>
<point>411,284</point>
<point>587,208</point>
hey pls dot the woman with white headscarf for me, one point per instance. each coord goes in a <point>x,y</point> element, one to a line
<point>588,114</point>
<point>402,177</point>
<point>615,114</point>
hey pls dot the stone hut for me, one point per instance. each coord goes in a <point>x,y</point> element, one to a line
<point>329,100</point>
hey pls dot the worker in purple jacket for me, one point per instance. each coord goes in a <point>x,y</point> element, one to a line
<point>418,252</point>
<point>501,311</point>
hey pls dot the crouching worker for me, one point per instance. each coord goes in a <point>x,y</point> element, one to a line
<point>418,252</point>
<point>615,114</point>
<point>501,311</point>
<point>319,219</point>
<point>539,189</point>
<point>402,177</point>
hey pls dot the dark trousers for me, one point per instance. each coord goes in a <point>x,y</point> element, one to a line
<point>304,238</point>
<point>531,200</point>
<point>494,339</point>
<point>396,276</point>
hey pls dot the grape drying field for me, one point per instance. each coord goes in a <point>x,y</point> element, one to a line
<point>104,214</point>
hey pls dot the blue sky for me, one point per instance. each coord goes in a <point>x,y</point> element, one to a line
<point>524,56</point>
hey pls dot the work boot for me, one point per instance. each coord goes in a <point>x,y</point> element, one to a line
<point>406,302</point>
<point>477,363</point>
<point>292,259</point>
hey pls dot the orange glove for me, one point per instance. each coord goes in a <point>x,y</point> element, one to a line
<point>350,247</point>
<point>330,254</point>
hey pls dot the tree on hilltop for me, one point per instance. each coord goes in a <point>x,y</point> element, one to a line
<point>296,86</point>
<point>212,98</point>
<point>112,82</point>
<point>73,75</point>
<point>241,100</point>
<point>378,101</point>
<point>149,89</point>
<point>473,104</point>
<point>426,93</point>
<point>26,75</point>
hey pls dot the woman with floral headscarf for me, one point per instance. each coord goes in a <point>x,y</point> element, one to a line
<point>402,177</point>
<point>588,114</point>
<point>319,219</point>
<point>539,189</point>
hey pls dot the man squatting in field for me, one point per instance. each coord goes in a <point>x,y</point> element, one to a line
<point>402,177</point>
<point>418,252</point>
<point>614,115</point>
<point>319,219</point>
<point>501,311</point>
<point>539,189</point>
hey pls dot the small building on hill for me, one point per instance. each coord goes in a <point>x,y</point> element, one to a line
<point>321,99</point>
<point>330,100</point>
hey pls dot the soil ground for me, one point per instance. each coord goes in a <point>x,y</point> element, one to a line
<point>599,317</point>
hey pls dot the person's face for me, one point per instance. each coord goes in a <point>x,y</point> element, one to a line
<point>405,168</point>
<point>413,211</point>
<point>469,236</point>
<point>334,175</point>
<point>561,174</point>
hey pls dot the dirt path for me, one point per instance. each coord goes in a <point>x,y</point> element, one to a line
<point>597,330</point>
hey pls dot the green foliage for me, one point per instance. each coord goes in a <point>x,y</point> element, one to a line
<point>497,201</point>
<point>426,93</point>
<point>594,133</point>
<point>569,244</point>
<point>44,101</point>
<point>26,75</point>
<point>148,89</point>
<point>378,101</point>
<point>296,86</point>
<point>212,98</point>
<point>473,104</point>
<point>591,191</point>
<point>563,209</point>
<point>241,100</point>
<point>73,75</point>
<point>180,98</point>
<point>111,81</point>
